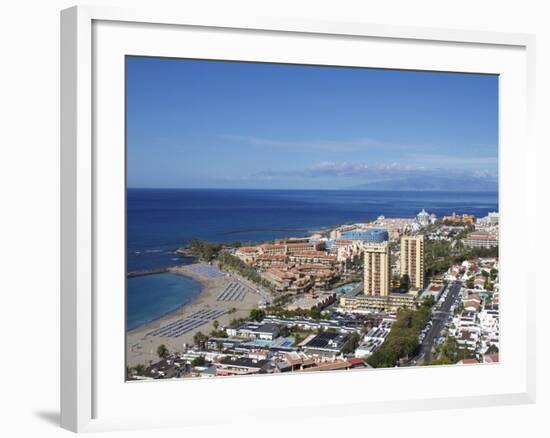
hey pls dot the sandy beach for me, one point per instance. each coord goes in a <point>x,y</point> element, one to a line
<point>141,348</point>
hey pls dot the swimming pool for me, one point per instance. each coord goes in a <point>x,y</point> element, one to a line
<point>262,342</point>
<point>345,288</point>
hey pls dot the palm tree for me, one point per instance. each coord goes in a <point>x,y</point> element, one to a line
<point>162,351</point>
<point>200,338</point>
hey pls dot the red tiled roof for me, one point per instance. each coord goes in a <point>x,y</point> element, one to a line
<point>271,246</point>
<point>306,266</point>
<point>248,249</point>
<point>271,257</point>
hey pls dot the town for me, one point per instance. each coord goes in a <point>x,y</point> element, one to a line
<point>392,292</point>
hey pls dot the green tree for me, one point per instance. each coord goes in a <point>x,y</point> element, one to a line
<point>204,250</point>
<point>162,351</point>
<point>236,322</point>
<point>232,263</point>
<point>402,341</point>
<point>429,301</point>
<point>218,334</point>
<point>352,343</point>
<point>216,324</point>
<point>200,339</point>
<point>315,313</point>
<point>198,361</point>
<point>257,314</point>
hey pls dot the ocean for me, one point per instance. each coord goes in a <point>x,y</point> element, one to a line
<point>161,220</point>
<point>153,296</point>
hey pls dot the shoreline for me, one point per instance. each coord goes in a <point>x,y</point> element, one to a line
<point>167,315</point>
<point>141,347</point>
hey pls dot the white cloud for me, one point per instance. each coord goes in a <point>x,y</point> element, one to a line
<point>346,145</point>
<point>386,175</point>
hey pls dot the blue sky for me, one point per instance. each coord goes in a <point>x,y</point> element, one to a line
<point>211,124</point>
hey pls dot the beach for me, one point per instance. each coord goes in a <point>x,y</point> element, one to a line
<point>142,347</point>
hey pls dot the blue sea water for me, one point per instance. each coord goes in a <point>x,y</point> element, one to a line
<point>161,220</point>
<point>152,296</point>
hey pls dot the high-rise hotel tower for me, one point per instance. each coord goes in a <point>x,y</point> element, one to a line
<point>412,261</point>
<point>377,269</point>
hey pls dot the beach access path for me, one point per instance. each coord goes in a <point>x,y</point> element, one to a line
<point>216,298</point>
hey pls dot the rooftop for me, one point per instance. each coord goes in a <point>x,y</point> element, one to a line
<point>327,341</point>
<point>245,362</point>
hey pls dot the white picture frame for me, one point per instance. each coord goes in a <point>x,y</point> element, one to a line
<point>92,37</point>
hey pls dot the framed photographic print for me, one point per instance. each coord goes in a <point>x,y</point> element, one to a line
<point>291,208</point>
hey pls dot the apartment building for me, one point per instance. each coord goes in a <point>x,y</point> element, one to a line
<point>412,261</point>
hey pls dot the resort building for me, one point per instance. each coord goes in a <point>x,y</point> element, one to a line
<point>325,344</point>
<point>480,239</point>
<point>288,280</point>
<point>267,260</point>
<point>423,218</point>
<point>377,285</point>
<point>493,217</point>
<point>293,248</point>
<point>273,249</point>
<point>412,261</point>
<point>460,219</point>
<point>377,270</point>
<point>266,332</point>
<point>313,257</point>
<point>366,303</point>
<point>396,227</point>
<point>247,254</point>
<point>238,366</point>
<point>370,235</point>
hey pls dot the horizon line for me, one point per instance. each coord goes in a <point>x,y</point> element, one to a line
<point>311,189</point>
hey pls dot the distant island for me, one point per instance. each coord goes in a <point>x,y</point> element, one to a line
<point>442,183</point>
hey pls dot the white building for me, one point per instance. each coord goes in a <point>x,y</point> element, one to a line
<point>423,218</point>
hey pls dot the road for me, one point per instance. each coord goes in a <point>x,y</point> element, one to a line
<point>438,322</point>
